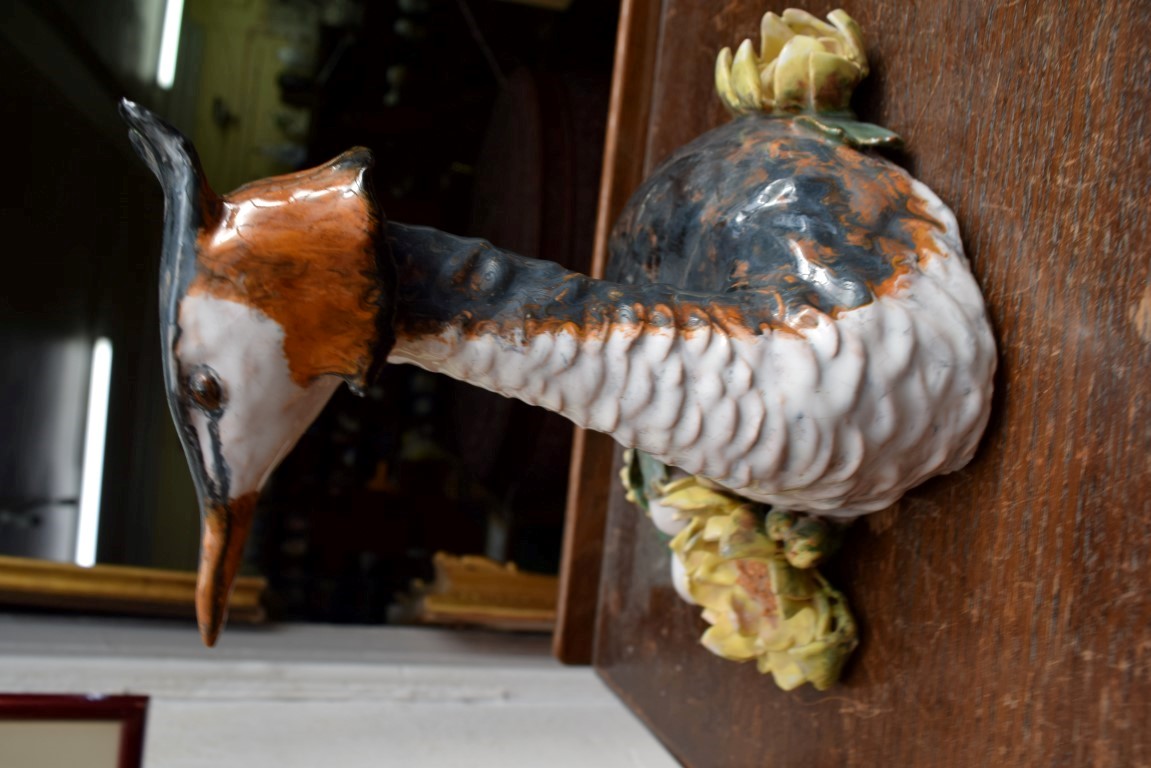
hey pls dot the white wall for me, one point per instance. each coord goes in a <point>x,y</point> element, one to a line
<point>311,695</point>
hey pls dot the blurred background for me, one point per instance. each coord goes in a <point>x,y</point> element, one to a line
<point>486,118</point>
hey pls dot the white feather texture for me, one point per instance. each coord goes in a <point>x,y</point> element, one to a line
<point>840,418</point>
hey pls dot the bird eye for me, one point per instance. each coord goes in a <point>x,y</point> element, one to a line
<point>205,389</point>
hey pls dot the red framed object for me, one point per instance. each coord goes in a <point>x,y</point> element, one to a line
<point>64,710</point>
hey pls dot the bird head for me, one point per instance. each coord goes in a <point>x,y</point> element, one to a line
<point>270,296</point>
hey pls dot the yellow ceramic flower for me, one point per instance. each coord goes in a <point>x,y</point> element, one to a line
<point>760,607</point>
<point>803,65</point>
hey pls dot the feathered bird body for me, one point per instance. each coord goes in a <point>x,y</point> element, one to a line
<point>861,354</point>
<point>786,316</point>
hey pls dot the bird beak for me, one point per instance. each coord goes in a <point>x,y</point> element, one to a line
<point>225,531</point>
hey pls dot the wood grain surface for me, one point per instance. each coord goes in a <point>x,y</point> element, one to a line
<point>1004,608</point>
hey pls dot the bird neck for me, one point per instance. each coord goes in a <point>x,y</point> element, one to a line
<point>587,349</point>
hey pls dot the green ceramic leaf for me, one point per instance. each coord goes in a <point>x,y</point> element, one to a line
<point>851,131</point>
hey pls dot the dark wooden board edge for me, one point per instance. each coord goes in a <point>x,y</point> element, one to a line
<point>592,463</point>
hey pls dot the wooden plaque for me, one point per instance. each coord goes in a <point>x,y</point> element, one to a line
<point>1004,608</point>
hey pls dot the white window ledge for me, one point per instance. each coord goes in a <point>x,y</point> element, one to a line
<point>313,695</point>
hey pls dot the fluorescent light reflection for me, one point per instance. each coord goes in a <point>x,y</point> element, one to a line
<point>92,477</point>
<point>169,43</point>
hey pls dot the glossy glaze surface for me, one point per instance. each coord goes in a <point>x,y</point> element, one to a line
<point>789,317</point>
<point>270,296</point>
<point>764,207</point>
<point>301,250</point>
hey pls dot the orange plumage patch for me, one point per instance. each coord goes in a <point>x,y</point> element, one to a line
<point>301,248</point>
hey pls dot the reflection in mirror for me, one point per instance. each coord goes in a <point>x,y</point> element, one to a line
<point>486,118</point>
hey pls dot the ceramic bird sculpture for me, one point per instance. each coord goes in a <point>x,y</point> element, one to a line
<point>789,327</point>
